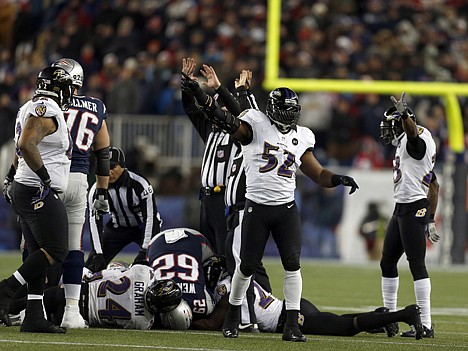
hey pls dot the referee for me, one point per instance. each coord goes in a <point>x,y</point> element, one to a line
<point>134,215</point>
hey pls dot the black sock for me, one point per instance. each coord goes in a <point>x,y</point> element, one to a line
<point>373,320</point>
<point>36,264</point>
<point>292,318</point>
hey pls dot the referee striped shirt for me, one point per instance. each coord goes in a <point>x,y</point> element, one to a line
<point>132,203</point>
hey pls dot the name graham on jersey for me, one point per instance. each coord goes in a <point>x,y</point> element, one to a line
<point>92,106</point>
<point>139,298</point>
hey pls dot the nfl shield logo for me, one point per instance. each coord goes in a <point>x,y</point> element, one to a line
<point>220,153</point>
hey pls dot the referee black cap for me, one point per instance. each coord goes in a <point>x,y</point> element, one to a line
<point>117,157</point>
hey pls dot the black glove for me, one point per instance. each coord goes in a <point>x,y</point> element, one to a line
<point>349,181</point>
<point>41,194</point>
<point>7,183</point>
<point>141,258</point>
<point>100,203</point>
<point>189,85</point>
<point>96,263</point>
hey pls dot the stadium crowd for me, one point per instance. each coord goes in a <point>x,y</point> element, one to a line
<point>131,52</point>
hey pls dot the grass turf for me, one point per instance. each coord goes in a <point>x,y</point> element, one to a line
<point>332,286</point>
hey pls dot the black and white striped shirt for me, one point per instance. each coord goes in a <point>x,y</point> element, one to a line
<point>132,203</point>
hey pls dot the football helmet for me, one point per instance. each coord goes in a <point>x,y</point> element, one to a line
<point>213,268</point>
<point>73,68</point>
<point>162,296</point>
<point>180,318</point>
<point>283,108</point>
<point>391,127</point>
<point>118,265</point>
<point>56,83</point>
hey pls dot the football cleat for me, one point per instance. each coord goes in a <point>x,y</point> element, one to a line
<point>249,328</point>
<point>293,334</point>
<point>36,323</point>
<point>426,333</point>
<point>72,318</point>
<point>231,322</point>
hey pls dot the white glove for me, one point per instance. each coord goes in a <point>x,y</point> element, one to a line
<point>431,232</point>
<point>100,203</point>
<point>400,105</point>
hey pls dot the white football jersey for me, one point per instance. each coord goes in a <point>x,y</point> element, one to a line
<point>55,149</point>
<point>116,298</point>
<point>267,307</point>
<point>411,177</point>
<point>272,159</point>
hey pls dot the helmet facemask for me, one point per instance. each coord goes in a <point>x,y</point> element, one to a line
<point>391,127</point>
<point>283,109</point>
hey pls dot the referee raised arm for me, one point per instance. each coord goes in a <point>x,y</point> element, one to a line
<point>134,215</point>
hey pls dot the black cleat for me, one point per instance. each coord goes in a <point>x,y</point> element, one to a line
<point>413,318</point>
<point>34,323</point>
<point>426,333</point>
<point>293,334</point>
<point>231,322</point>
<point>5,297</point>
<point>391,329</point>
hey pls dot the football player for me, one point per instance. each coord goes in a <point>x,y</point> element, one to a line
<point>180,254</point>
<point>274,148</point>
<point>415,190</point>
<point>43,152</point>
<point>86,120</point>
<point>271,315</point>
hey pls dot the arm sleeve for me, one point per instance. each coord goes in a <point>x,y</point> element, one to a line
<point>229,100</point>
<point>416,148</point>
<point>197,116</point>
<point>150,214</point>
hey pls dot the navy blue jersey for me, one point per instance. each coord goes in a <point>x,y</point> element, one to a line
<point>84,119</point>
<point>179,254</point>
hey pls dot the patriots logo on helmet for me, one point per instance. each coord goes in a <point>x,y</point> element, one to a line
<point>63,62</point>
<point>40,110</point>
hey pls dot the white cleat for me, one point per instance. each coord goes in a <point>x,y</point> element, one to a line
<point>72,318</point>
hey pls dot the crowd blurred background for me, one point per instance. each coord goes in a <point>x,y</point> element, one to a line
<point>131,52</point>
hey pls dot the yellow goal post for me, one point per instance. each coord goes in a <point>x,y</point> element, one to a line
<point>449,91</point>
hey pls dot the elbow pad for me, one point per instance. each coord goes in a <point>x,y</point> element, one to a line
<point>103,162</point>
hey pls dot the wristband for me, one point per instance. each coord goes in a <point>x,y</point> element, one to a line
<point>101,194</point>
<point>43,174</point>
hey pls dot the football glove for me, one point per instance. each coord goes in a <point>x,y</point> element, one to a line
<point>100,203</point>
<point>401,107</point>
<point>349,181</point>
<point>141,258</point>
<point>42,192</point>
<point>7,183</point>
<point>97,263</point>
<point>188,84</point>
<point>431,232</point>
<point>6,189</point>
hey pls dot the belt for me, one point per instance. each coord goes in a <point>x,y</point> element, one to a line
<point>217,190</point>
<point>238,206</point>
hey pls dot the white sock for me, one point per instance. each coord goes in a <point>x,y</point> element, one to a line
<point>239,285</point>
<point>422,291</point>
<point>292,289</point>
<point>72,293</point>
<point>390,292</point>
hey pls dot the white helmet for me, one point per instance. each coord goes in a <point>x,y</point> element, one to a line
<point>73,68</point>
<point>180,318</point>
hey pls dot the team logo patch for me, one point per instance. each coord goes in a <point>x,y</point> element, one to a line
<point>221,290</point>
<point>295,141</point>
<point>40,110</point>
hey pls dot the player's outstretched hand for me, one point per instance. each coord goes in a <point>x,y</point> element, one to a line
<point>400,105</point>
<point>349,181</point>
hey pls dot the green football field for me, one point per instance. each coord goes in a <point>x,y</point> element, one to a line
<point>332,286</point>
